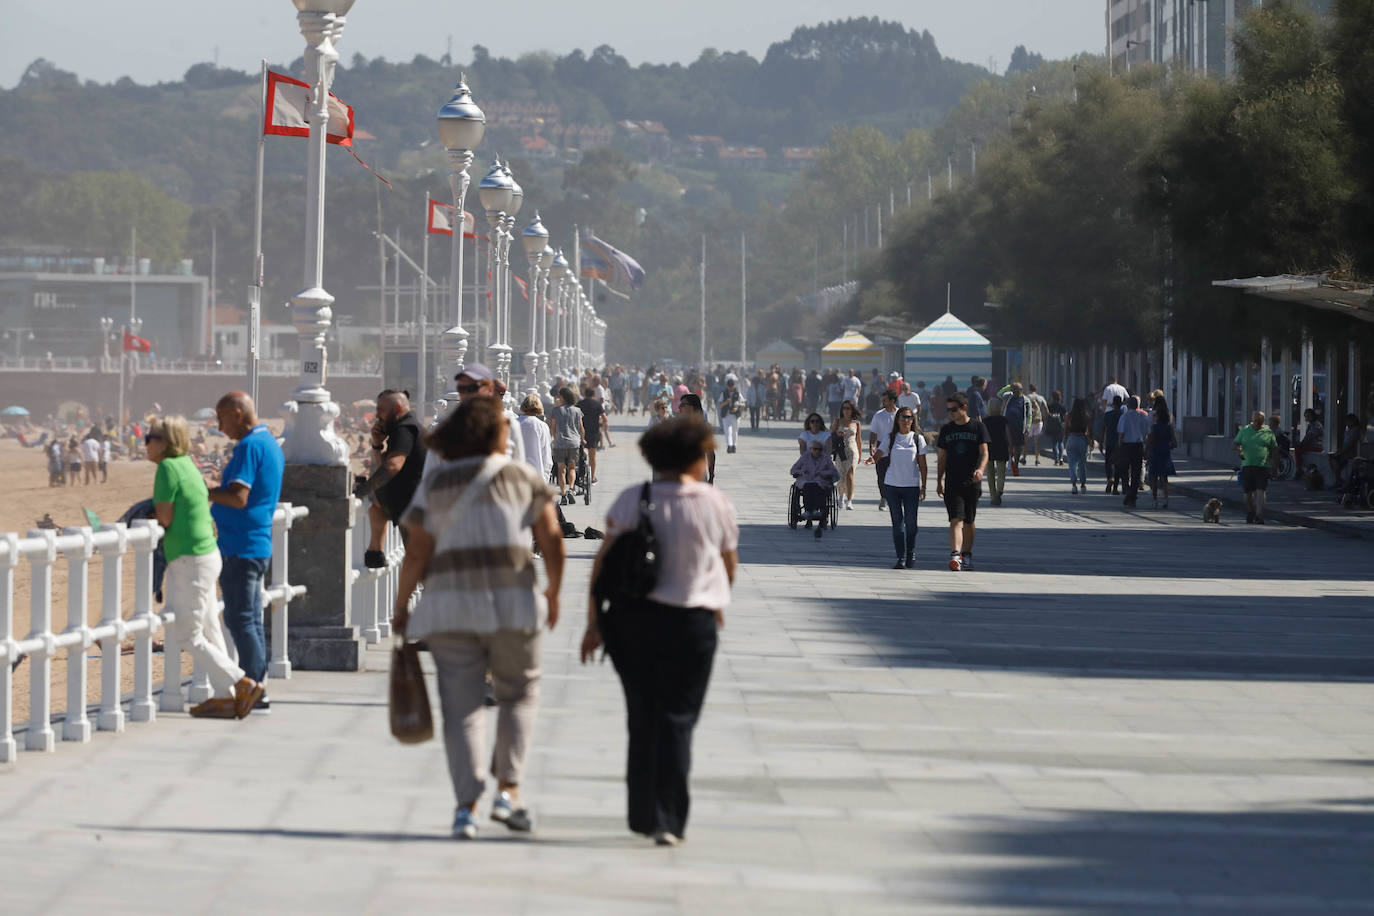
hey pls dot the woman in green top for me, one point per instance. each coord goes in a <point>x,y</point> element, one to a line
<point>193,564</point>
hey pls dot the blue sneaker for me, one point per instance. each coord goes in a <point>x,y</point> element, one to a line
<point>464,825</point>
<point>503,811</point>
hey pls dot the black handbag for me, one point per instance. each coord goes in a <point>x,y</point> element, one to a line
<point>629,569</point>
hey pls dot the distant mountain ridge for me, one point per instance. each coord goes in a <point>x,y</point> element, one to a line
<point>193,137</point>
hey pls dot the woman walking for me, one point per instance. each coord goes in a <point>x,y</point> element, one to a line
<point>846,434</point>
<point>537,435</point>
<point>813,430</point>
<point>1160,445</point>
<point>663,645</point>
<point>1078,427</point>
<point>1054,426</point>
<point>905,484</point>
<point>999,449</point>
<point>469,529</point>
<point>182,504</point>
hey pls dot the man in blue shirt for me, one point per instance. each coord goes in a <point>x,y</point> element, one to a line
<point>242,507</point>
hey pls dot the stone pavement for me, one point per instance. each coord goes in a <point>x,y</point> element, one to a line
<point>1287,501</point>
<point>1116,712</point>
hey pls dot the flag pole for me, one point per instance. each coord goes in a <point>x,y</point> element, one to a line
<point>423,375</point>
<point>255,286</point>
<point>701,363</point>
<point>743,301</point>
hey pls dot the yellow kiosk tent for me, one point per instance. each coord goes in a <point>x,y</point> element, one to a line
<point>780,352</point>
<point>852,350</point>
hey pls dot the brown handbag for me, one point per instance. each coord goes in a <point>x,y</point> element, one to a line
<point>411,721</point>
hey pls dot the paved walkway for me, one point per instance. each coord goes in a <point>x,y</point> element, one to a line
<point>1117,712</point>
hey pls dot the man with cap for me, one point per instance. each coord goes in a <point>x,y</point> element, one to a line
<point>476,380</point>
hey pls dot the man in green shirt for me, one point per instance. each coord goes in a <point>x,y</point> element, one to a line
<point>1255,442</point>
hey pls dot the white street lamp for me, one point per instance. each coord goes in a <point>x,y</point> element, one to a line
<point>494,191</point>
<point>559,272</point>
<point>461,128</point>
<point>310,437</point>
<point>535,238</point>
<point>545,264</point>
<point>517,200</point>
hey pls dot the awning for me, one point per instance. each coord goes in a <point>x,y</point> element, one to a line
<point>1353,299</point>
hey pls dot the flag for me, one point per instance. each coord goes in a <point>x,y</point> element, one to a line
<point>91,518</point>
<point>524,288</point>
<point>134,344</point>
<point>441,220</point>
<point>606,262</point>
<point>286,106</point>
<point>285,114</point>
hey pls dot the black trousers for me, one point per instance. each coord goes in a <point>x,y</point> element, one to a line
<point>1130,474</point>
<point>663,655</point>
<point>754,416</point>
<point>882,463</point>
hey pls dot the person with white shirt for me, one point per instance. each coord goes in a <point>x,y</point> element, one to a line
<point>1112,390</point>
<point>813,430</point>
<point>105,450</point>
<point>90,457</point>
<point>906,450</point>
<point>878,431</point>
<point>536,435</point>
<point>850,387</point>
<point>910,400</point>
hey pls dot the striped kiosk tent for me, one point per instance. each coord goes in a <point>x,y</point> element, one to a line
<point>780,352</point>
<point>947,347</point>
<point>852,350</point>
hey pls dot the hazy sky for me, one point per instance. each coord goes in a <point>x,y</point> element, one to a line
<point>152,40</point>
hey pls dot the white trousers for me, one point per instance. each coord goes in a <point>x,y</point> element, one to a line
<point>189,587</point>
<point>731,424</point>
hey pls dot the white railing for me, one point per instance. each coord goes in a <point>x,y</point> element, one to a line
<point>374,588</point>
<point>288,368</point>
<point>41,550</point>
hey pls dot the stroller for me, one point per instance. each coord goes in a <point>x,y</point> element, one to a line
<point>1359,491</point>
<point>144,509</point>
<point>583,485</point>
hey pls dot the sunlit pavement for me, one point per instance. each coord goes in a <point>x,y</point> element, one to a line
<point>1114,712</point>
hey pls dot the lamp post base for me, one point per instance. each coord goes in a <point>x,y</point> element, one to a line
<point>310,436</point>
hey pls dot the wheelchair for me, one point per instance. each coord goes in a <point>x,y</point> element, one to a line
<point>831,512</point>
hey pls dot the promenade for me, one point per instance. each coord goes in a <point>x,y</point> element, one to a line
<point>1116,712</point>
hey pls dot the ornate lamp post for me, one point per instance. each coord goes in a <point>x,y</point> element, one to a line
<point>545,263</point>
<point>559,273</point>
<point>310,438</point>
<point>535,238</point>
<point>517,200</point>
<point>461,127</point>
<point>494,190</point>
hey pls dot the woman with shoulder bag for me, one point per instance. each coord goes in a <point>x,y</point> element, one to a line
<point>663,644</point>
<point>469,527</point>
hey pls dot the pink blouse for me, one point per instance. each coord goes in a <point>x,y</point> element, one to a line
<point>694,524</point>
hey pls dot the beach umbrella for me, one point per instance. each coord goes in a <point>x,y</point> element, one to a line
<point>364,404</point>
<point>14,410</point>
<point>205,413</point>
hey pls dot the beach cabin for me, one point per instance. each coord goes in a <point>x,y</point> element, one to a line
<point>852,350</point>
<point>947,347</point>
<point>779,352</point>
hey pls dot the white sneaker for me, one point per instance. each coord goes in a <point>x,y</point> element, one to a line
<point>955,562</point>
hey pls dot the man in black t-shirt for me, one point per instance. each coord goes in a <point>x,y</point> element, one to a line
<point>963,446</point>
<point>398,444</point>
<point>593,418</point>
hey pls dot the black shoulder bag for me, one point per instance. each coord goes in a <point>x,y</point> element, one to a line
<point>629,569</point>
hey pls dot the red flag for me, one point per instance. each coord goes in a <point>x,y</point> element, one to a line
<point>286,107</point>
<point>134,344</point>
<point>441,220</point>
<point>524,288</point>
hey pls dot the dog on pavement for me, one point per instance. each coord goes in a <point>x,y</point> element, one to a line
<point>1212,511</point>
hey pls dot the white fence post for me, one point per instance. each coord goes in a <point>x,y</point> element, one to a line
<point>111,718</point>
<point>9,559</point>
<point>40,734</point>
<point>280,663</point>
<point>76,726</point>
<point>364,582</point>
<point>144,623</point>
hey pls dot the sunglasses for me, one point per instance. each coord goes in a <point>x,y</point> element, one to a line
<point>905,416</point>
<point>953,407</point>
<point>148,439</point>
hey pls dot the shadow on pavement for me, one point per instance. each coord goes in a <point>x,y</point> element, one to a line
<point>1285,861</point>
<point>371,836</point>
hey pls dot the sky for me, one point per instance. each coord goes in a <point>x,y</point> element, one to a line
<point>156,40</point>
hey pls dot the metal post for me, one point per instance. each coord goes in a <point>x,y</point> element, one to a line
<point>255,284</point>
<point>743,302</point>
<point>701,362</point>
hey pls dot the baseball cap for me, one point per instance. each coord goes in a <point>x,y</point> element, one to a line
<point>475,371</point>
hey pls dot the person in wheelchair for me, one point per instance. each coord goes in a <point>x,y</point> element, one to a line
<point>815,474</point>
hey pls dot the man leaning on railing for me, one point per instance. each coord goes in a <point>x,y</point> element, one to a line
<point>244,503</point>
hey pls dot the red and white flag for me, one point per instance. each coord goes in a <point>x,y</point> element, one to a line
<point>285,112</point>
<point>134,344</point>
<point>441,220</point>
